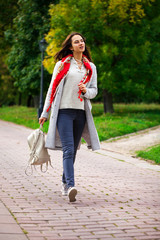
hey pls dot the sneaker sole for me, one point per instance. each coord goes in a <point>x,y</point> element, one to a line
<point>72,194</point>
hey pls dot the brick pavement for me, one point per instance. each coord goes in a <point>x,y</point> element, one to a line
<point>9,229</point>
<point>116,199</point>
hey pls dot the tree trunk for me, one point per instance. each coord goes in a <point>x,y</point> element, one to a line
<point>108,103</point>
<point>29,101</point>
<point>20,99</point>
<point>36,101</point>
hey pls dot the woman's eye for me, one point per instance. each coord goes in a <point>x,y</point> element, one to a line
<point>79,41</point>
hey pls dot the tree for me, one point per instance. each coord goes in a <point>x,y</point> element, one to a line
<point>123,37</point>
<point>8,10</point>
<point>24,59</point>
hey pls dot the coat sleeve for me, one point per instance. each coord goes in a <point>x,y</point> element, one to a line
<point>92,87</point>
<point>45,114</point>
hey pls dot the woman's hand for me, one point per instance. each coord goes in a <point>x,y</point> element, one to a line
<point>42,120</point>
<point>82,87</point>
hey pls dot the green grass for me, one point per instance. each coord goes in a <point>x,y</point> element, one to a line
<point>128,118</point>
<point>21,115</point>
<point>152,153</point>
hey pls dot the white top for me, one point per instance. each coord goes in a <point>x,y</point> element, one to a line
<point>70,90</point>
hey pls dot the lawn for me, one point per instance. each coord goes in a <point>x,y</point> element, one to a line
<point>128,118</point>
<point>152,153</point>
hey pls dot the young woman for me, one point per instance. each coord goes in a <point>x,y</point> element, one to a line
<point>73,84</point>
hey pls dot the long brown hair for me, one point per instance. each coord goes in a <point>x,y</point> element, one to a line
<point>65,50</point>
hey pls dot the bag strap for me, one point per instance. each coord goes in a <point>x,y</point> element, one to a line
<point>41,127</point>
<point>29,170</point>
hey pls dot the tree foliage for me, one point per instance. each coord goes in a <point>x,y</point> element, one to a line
<point>124,39</point>
<point>123,36</point>
<point>24,59</point>
<point>8,10</point>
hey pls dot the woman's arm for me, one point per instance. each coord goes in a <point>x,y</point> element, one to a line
<point>45,114</point>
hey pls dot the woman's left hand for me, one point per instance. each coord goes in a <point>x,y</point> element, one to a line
<point>82,87</point>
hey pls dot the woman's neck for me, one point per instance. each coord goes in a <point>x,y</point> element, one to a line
<point>78,56</point>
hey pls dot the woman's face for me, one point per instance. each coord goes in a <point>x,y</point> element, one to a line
<point>78,44</point>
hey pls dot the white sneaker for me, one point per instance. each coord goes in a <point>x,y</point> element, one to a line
<point>72,192</point>
<point>64,189</point>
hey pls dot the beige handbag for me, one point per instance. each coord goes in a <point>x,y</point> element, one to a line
<point>39,154</point>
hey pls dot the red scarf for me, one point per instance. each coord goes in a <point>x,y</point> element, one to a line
<point>63,70</point>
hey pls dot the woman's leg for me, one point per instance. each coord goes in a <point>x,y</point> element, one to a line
<point>65,129</point>
<point>78,126</point>
<point>70,125</point>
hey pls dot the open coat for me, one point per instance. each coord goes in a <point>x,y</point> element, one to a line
<point>89,133</point>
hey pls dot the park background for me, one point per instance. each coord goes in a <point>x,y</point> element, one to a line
<point>124,39</point>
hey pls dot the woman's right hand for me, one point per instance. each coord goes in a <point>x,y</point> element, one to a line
<point>42,120</point>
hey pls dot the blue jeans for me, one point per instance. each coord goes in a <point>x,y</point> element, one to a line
<point>70,124</point>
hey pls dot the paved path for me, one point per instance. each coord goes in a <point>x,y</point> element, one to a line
<point>9,229</point>
<point>118,198</point>
<point>133,142</point>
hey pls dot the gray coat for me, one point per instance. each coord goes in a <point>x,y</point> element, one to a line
<point>89,133</point>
